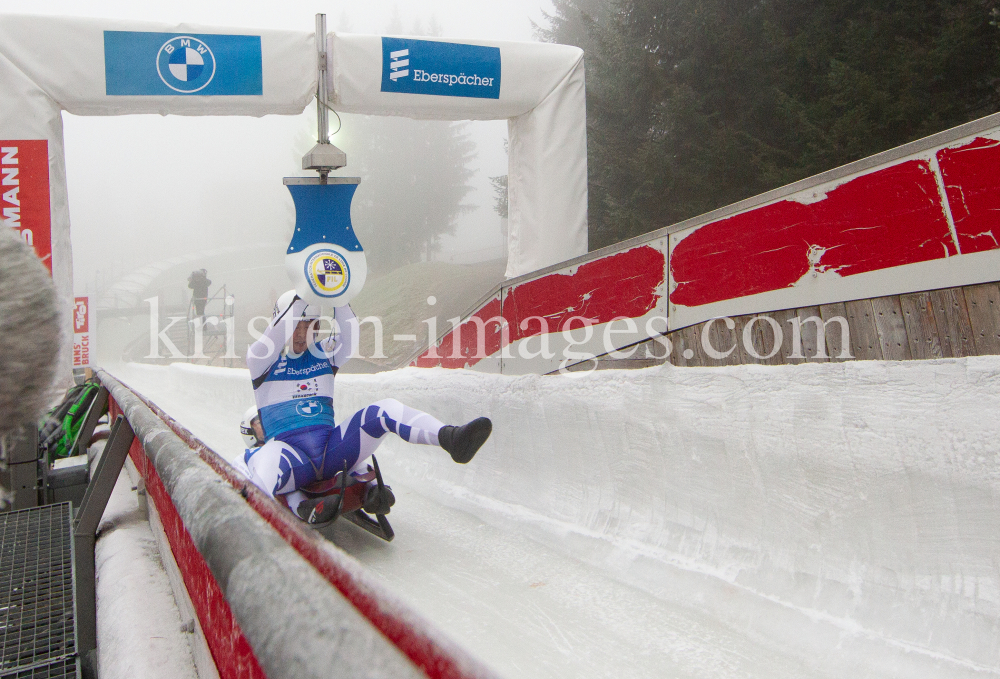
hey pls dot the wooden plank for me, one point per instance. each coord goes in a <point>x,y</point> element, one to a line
<point>692,344</point>
<point>864,334</point>
<point>809,335</point>
<point>723,339</point>
<point>834,348</point>
<point>952,317</point>
<point>741,351</point>
<point>921,328</point>
<point>783,317</point>
<point>891,329</point>
<point>686,349</point>
<point>762,337</point>
<point>650,351</point>
<point>676,355</point>
<point>755,340</point>
<point>983,303</point>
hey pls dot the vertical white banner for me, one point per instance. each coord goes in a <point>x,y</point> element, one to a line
<point>83,346</point>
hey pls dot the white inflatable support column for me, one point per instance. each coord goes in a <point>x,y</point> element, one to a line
<point>37,121</point>
<point>271,598</point>
<point>52,64</point>
<point>541,94</point>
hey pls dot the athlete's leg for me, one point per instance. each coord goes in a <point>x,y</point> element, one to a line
<point>357,438</point>
<point>279,468</point>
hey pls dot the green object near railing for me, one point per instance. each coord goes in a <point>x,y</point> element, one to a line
<point>59,429</point>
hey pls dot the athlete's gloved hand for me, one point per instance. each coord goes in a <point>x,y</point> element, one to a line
<point>378,500</point>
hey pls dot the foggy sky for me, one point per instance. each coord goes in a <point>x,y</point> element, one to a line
<point>143,188</point>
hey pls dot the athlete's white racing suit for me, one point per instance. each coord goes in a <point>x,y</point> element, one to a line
<point>294,394</point>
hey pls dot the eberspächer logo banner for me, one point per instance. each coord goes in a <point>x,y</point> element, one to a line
<point>170,64</point>
<point>440,68</point>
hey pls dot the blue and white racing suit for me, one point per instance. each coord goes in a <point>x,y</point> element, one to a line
<point>294,394</point>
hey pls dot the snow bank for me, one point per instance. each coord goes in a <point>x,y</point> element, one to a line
<point>862,494</point>
<point>135,641</point>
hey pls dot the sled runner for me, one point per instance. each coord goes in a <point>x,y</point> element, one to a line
<point>348,491</point>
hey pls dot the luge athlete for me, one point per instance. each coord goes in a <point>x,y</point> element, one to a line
<point>294,394</point>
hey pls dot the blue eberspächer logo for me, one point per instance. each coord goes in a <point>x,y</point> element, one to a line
<point>170,64</point>
<point>444,69</point>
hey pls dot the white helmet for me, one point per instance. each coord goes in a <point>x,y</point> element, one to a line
<point>246,428</point>
<point>303,311</point>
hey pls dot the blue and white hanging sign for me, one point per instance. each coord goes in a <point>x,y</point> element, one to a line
<point>138,63</point>
<point>324,259</point>
<point>444,69</point>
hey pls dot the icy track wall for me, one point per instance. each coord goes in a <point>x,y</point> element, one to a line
<point>918,217</point>
<point>271,601</point>
<point>861,495</point>
<point>104,67</point>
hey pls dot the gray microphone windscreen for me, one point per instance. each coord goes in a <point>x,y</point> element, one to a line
<point>29,333</point>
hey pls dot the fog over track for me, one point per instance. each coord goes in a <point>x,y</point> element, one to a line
<point>819,520</point>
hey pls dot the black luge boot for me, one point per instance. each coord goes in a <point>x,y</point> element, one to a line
<point>378,500</point>
<point>463,442</point>
<point>319,511</point>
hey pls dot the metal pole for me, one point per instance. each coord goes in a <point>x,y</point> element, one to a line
<point>322,114</point>
<point>92,507</point>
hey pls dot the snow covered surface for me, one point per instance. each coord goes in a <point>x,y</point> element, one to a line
<point>138,624</point>
<point>821,520</point>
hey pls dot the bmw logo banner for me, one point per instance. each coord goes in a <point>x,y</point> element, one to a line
<point>324,259</point>
<point>171,64</point>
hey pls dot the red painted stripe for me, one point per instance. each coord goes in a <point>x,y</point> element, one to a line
<point>436,658</point>
<point>883,219</point>
<point>230,650</point>
<point>478,337</point>
<point>628,283</point>
<point>972,183</point>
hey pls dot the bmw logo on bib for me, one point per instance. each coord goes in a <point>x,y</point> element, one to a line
<point>309,408</point>
<point>185,64</point>
<point>324,259</point>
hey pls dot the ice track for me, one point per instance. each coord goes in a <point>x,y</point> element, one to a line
<point>828,520</point>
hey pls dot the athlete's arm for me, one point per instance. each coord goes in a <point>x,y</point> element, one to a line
<point>262,354</point>
<point>340,348</point>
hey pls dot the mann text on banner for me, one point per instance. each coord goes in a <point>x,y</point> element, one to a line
<point>24,193</point>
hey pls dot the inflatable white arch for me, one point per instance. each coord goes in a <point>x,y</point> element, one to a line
<point>103,67</point>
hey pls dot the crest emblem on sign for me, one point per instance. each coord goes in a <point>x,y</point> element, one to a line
<point>328,273</point>
<point>185,64</point>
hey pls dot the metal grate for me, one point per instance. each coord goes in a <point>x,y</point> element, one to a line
<point>67,668</point>
<point>36,592</point>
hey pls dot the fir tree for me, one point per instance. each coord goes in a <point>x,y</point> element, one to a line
<point>695,104</point>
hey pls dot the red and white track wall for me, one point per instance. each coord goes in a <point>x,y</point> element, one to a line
<point>919,217</point>
<point>271,599</point>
